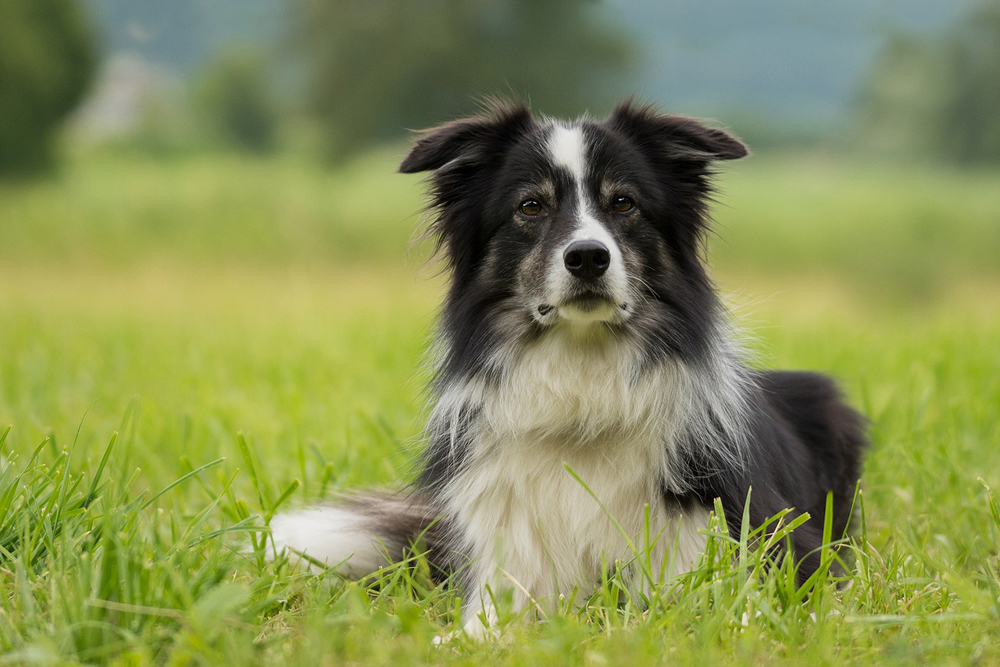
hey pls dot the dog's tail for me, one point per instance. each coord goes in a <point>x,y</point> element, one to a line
<point>359,534</point>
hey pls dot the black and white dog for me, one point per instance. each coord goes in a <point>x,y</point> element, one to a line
<point>581,332</point>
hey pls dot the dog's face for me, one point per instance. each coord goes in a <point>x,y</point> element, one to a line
<point>574,224</point>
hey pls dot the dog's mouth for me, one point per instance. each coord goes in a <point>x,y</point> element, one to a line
<point>586,305</point>
<point>588,301</point>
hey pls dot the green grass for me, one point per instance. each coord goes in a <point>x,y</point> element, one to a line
<point>182,343</point>
<point>892,230</point>
<point>897,230</point>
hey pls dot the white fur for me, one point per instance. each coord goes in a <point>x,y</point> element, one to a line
<point>332,536</point>
<point>581,397</point>
<point>567,148</point>
<point>575,397</point>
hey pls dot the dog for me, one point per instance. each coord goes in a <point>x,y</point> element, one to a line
<point>589,390</point>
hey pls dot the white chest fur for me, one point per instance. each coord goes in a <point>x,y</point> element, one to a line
<point>577,402</point>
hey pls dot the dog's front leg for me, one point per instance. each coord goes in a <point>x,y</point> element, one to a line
<point>486,586</point>
<point>479,617</point>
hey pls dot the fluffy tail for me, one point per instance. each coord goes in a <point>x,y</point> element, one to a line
<point>360,534</point>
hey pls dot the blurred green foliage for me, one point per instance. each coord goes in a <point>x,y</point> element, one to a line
<point>903,231</point>
<point>47,60</point>
<point>940,97</point>
<point>236,103</point>
<point>376,68</point>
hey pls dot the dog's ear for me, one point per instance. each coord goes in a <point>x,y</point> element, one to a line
<point>679,137</point>
<point>473,137</point>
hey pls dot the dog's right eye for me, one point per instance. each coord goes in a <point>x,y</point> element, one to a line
<point>530,207</point>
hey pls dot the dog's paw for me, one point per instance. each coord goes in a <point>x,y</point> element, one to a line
<point>474,629</point>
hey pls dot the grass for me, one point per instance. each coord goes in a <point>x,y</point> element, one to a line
<point>900,230</point>
<point>188,346</point>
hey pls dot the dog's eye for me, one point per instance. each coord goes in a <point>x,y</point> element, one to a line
<point>622,204</point>
<point>530,207</point>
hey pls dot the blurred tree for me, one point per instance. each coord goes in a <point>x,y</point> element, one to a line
<point>47,60</point>
<point>903,98</point>
<point>970,121</point>
<point>378,66</point>
<point>938,98</point>
<point>234,98</point>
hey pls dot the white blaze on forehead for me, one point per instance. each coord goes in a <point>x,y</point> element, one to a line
<point>568,150</point>
<point>567,147</point>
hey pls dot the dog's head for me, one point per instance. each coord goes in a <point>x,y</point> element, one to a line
<point>575,224</point>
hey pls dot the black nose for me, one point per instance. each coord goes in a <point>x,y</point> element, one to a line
<point>587,259</point>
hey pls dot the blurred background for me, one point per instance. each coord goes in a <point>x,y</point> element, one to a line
<point>268,130</point>
<point>199,204</point>
<point>901,78</point>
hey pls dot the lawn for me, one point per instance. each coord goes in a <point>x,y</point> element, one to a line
<point>188,344</point>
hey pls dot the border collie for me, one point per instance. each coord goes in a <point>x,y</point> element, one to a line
<point>586,377</point>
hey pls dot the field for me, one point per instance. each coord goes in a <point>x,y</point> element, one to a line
<point>187,345</point>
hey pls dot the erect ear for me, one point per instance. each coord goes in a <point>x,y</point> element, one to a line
<point>678,136</point>
<point>469,137</point>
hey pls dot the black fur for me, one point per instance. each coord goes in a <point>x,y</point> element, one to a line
<point>804,441</point>
<point>788,436</point>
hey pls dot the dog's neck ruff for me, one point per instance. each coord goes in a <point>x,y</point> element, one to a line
<point>578,388</point>
<point>567,459</point>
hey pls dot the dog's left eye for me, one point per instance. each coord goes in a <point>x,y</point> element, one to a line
<point>622,204</point>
